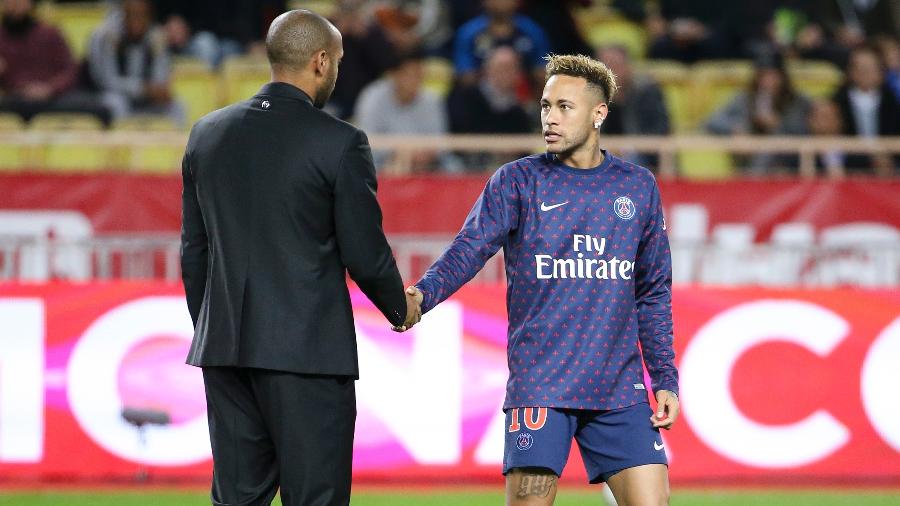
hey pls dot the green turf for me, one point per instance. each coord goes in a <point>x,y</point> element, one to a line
<point>450,497</point>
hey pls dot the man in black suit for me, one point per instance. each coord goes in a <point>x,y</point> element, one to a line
<point>278,204</point>
<point>868,109</point>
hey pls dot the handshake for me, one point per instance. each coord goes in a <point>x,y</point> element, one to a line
<point>414,299</point>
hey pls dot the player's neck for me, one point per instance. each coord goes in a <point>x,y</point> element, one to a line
<point>586,156</point>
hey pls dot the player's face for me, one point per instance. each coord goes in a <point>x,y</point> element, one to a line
<point>568,111</point>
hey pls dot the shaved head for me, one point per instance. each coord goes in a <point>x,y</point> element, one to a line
<point>305,49</point>
<point>296,36</point>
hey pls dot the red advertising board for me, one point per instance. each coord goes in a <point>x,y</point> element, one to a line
<point>777,386</point>
<point>140,203</point>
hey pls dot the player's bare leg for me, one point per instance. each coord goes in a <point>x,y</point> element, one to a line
<point>608,498</point>
<point>530,486</point>
<point>646,485</point>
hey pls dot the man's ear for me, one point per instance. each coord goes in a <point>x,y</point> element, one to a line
<point>601,111</point>
<point>321,60</point>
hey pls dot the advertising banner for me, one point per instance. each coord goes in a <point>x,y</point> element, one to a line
<point>116,203</point>
<point>778,386</point>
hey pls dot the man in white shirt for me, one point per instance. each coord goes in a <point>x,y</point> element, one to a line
<point>399,104</point>
<point>868,109</point>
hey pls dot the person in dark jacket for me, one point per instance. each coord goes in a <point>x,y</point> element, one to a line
<point>278,206</point>
<point>868,109</point>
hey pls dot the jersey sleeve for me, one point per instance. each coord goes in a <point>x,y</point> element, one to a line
<point>493,217</point>
<point>653,298</point>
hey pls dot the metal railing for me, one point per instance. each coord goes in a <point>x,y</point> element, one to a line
<point>405,147</point>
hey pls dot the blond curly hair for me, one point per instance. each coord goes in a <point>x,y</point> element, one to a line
<point>595,72</point>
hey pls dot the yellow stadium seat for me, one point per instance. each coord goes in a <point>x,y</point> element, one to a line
<point>243,77</point>
<point>159,158</point>
<point>196,86</point>
<point>674,78</point>
<point>64,121</point>
<point>11,122</point>
<point>68,156</point>
<point>438,75</point>
<point>705,164</point>
<point>13,156</point>
<point>715,83</point>
<point>76,20</point>
<point>813,78</point>
<point>663,71</point>
<point>323,7</point>
<point>618,32</point>
<point>146,123</point>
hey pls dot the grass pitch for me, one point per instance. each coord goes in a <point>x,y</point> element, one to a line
<point>469,497</point>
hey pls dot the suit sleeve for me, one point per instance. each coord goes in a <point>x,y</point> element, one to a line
<point>194,242</point>
<point>653,295</point>
<point>364,249</point>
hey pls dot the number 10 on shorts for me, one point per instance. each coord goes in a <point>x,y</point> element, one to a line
<point>533,418</point>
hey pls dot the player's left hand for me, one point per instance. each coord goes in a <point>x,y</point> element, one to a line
<point>667,408</point>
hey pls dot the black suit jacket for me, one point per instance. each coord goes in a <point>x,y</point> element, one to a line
<point>888,123</point>
<point>278,204</point>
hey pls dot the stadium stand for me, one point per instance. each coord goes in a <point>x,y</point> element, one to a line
<point>77,20</point>
<point>196,86</point>
<point>242,77</point>
<point>692,92</point>
<point>70,156</point>
<point>12,154</point>
<point>152,157</point>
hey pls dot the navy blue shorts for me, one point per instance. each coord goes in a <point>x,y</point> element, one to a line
<point>609,440</point>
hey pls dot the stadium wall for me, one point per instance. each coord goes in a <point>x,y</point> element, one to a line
<point>778,386</point>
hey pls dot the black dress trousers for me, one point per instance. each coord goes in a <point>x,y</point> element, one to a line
<point>308,418</point>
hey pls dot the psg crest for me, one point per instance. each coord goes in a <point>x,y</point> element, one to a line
<point>624,208</point>
<point>524,441</point>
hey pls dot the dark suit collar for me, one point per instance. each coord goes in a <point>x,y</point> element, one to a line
<point>285,90</point>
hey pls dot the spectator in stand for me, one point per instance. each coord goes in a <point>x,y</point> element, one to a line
<point>830,29</point>
<point>556,19</point>
<point>500,25</point>
<point>213,30</point>
<point>825,120</point>
<point>889,49</point>
<point>849,23</point>
<point>868,108</point>
<point>692,30</point>
<point>770,107</point>
<point>399,104</point>
<point>417,25</point>
<point>368,54</point>
<point>37,72</point>
<point>129,63</point>
<point>639,107</point>
<point>490,107</point>
<point>811,43</point>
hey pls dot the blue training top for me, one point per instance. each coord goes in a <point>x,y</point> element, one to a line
<point>589,277</point>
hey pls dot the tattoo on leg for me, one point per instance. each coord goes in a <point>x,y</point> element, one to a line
<point>537,485</point>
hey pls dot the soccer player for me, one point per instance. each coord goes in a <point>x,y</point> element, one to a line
<point>588,271</point>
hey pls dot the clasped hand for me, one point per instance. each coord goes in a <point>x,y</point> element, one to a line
<point>414,299</point>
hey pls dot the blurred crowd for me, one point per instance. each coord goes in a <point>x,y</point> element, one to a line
<point>493,51</point>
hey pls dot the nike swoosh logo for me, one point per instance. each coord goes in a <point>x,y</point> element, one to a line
<point>657,446</point>
<point>545,207</point>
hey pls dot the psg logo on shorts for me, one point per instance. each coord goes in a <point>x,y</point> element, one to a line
<point>524,441</point>
<point>624,208</point>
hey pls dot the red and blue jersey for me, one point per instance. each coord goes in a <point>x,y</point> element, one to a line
<point>588,272</point>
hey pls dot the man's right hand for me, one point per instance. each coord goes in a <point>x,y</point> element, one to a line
<point>414,298</point>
